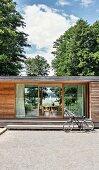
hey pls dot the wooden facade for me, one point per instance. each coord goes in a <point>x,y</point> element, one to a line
<point>94,100</point>
<point>7,100</point>
<point>8,93</point>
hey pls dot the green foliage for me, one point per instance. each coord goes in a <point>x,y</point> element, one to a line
<point>12,41</point>
<point>70,96</point>
<point>31,96</point>
<point>28,107</point>
<point>37,66</point>
<point>77,50</point>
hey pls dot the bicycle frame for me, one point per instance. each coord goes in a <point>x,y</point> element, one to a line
<point>83,124</point>
<point>77,122</point>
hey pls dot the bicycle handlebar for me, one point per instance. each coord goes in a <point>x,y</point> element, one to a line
<point>70,113</point>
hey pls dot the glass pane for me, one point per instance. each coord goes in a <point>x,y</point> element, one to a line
<point>75,99</point>
<point>50,101</point>
<point>31,100</point>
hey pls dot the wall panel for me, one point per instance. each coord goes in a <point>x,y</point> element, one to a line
<point>7,100</point>
<point>94,101</point>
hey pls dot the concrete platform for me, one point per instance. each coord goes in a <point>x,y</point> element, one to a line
<point>56,124</point>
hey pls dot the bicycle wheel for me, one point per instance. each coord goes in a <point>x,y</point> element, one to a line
<point>68,126</point>
<point>88,125</point>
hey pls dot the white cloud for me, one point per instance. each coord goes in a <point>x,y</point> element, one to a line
<point>86,3</point>
<point>44,25</point>
<point>63,2</point>
<point>97,10</point>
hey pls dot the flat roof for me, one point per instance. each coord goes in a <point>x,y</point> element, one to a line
<point>49,78</point>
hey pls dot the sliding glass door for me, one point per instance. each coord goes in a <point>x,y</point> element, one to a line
<point>75,99</point>
<point>31,100</point>
<point>50,97</point>
<point>26,100</point>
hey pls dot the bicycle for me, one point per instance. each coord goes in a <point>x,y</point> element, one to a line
<point>83,124</point>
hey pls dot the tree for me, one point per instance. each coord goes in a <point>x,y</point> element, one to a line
<point>77,50</point>
<point>37,66</point>
<point>12,41</point>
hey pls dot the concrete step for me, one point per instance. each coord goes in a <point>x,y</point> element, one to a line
<point>6,122</point>
<point>34,127</point>
<point>30,121</point>
<point>37,127</point>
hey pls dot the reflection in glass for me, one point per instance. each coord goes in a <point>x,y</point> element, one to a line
<point>50,101</point>
<point>75,98</point>
<point>31,101</point>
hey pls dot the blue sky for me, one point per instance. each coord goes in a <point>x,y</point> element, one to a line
<point>46,20</point>
<point>86,9</point>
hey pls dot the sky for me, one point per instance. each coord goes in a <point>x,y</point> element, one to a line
<point>46,20</point>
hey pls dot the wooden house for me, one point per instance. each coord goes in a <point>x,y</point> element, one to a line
<point>48,97</point>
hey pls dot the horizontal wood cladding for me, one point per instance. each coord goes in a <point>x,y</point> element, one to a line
<point>7,116</point>
<point>94,101</point>
<point>7,100</point>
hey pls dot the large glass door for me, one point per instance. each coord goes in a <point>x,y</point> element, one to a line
<point>75,99</point>
<point>31,100</point>
<point>50,97</point>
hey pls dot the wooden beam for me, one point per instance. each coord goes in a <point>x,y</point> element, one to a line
<point>41,82</point>
<point>63,100</point>
<point>39,99</point>
<point>87,100</point>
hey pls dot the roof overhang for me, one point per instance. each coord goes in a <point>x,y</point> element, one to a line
<point>49,79</point>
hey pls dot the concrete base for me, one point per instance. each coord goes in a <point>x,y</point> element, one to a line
<point>35,124</point>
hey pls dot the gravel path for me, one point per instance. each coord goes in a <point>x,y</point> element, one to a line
<point>49,150</point>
